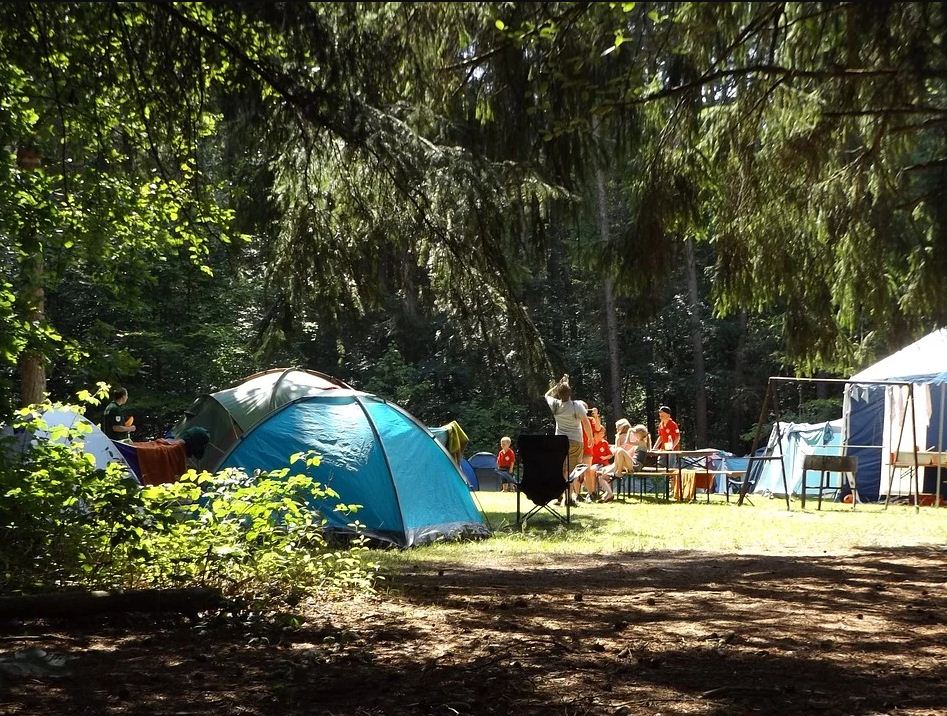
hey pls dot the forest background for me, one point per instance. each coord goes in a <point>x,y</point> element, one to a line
<point>451,204</point>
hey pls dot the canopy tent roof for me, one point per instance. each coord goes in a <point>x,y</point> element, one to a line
<point>923,361</point>
<point>880,419</point>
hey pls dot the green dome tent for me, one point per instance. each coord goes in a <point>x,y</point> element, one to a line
<point>229,414</point>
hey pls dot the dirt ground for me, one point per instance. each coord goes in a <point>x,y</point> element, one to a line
<point>671,633</point>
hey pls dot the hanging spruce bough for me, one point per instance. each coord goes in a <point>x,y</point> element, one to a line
<point>105,152</point>
<point>423,144</point>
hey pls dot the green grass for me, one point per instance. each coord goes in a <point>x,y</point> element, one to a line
<point>646,526</point>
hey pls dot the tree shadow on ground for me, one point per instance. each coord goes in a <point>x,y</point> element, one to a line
<point>630,633</point>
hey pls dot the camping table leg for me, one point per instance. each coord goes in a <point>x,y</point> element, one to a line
<point>802,497</point>
<point>822,485</point>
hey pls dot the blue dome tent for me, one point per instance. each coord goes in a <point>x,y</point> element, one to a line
<point>374,454</point>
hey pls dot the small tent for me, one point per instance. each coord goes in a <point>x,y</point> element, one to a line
<point>792,442</point>
<point>229,414</point>
<point>94,441</point>
<point>374,454</point>
<point>489,478</point>
<point>880,419</point>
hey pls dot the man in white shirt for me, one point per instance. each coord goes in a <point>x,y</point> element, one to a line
<point>569,415</point>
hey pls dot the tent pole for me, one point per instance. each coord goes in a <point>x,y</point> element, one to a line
<point>391,473</point>
<point>744,486</point>
<point>779,441</point>
<point>917,490</point>
<point>940,445</point>
<point>897,449</point>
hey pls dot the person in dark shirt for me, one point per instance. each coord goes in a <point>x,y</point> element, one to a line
<point>115,424</point>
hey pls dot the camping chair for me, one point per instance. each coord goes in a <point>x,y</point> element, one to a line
<point>540,458</point>
<point>750,470</point>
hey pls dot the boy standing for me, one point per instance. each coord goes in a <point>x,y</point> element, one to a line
<point>506,459</point>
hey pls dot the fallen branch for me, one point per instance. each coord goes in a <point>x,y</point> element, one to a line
<point>737,687</point>
<point>83,603</point>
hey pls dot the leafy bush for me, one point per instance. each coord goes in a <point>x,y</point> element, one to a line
<point>65,523</point>
<point>253,536</point>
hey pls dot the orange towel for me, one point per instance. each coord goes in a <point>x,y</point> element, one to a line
<point>687,491</point>
<point>161,461</point>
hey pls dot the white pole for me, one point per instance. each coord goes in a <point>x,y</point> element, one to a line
<point>940,444</point>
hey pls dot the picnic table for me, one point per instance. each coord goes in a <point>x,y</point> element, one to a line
<point>684,472</point>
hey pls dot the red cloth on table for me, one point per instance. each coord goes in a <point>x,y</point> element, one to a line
<point>161,461</point>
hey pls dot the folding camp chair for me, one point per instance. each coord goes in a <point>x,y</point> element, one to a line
<point>540,458</point>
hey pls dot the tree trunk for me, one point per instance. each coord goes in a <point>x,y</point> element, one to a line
<point>31,365</point>
<point>614,364</point>
<point>697,342</point>
<point>737,401</point>
<point>611,322</point>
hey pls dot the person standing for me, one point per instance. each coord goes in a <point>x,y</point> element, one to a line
<point>115,423</point>
<point>569,416</point>
<point>669,436</point>
<point>506,460</point>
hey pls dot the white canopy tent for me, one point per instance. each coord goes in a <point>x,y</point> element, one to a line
<point>882,421</point>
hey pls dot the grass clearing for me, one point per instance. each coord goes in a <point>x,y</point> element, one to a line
<point>765,527</point>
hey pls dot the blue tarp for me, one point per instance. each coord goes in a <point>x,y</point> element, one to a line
<point>374,455</point>
<point>865,428</point>
<point>796,440</point>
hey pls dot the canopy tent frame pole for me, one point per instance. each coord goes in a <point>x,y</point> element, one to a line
<point>897,449</point>
<point>779,442</point>
<point>771,387</point>
<point>917,469</point>
<point>745,484</point>
<point>916,488</point>
<point>940,445</point>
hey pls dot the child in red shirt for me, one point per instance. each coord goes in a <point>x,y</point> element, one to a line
<point>506,458</point>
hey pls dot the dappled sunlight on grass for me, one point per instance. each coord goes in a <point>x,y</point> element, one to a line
<point>765,527</point>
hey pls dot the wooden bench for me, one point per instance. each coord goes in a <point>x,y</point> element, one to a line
<point>643,474</point>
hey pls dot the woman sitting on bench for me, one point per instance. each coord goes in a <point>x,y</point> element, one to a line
<point>628,455</point>
<point>635,441</point>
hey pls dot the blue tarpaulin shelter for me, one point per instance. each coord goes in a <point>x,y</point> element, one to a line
<point>793,441</point>
<point>879,419</point>
<point>374,454</point>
